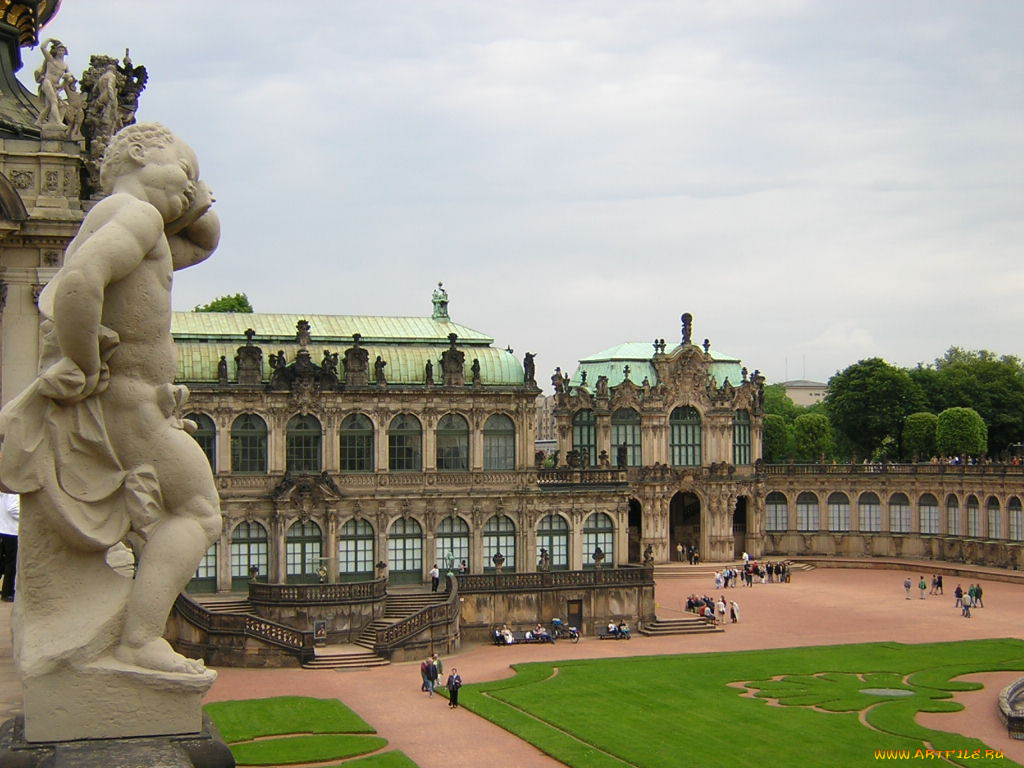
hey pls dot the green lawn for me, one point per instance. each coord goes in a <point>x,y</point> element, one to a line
<point>296,729</point>
<point>681,710</point>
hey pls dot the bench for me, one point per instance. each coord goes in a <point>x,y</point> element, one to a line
<point>606,635</point>
<point>519,636</point>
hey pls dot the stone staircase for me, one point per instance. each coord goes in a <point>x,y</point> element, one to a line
<point>345,657</point>
<point>684,625</point>
<point>232,604</point>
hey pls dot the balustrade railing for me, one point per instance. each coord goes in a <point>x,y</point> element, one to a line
<point>566,476</point>
<point>973,470</point>
<point>349,592</point>
<point>533,581</point>
<point>295,640</point>
<point>445,613</point>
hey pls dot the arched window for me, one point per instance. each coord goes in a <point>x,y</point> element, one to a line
<point>776,512</point>
<point>499,442</point>
<point>553,535</point>
<point>356,443</point>
<point>992,512</point>
<point>953,516</point>
<point>838,512</point>
<point>453,443</point>
<point>302,444</point>
<point>973,518</point>
<point>452,542</point>
<point>808,517</point>
<point>626,433</point>
<point>205,578</point>
<point>928,510</point>
<point>355,550</point>
<point>500,537</point>
<point>598,531</point>
<point>870,512</point>
<point>741,438</point>
<point>248,549</point>
<point>405,444</point>
<point>1016,519</point>
<point>206,436</point>
<point>405,551</point>
<point>685,437</point>
<point>583,435</point>
<point>303,552</point>
<point>249,444</point>
<point>899,513</point>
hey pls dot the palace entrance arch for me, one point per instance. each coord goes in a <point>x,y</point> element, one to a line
<point>739,528</point>
<point>636,531</point>
<point>684,521</point>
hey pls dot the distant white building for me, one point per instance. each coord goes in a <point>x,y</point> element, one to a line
<point>804,392</point>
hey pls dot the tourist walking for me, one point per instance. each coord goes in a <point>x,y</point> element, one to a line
<point>938,584</point>
<point>440,666</point>
<point>431,675</point>
<point>959,594</point>
<point>10,511</point>
<point>908,585</point>
<point>454,683</point>
<point>922,585</point>
<point>734,611</point>
<point>977,596</point>
<point>435,578</point>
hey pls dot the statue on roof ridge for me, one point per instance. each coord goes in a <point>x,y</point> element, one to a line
<point>440,300</point>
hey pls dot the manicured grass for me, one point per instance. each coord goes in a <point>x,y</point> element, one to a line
<point>305,749</point>
<point>243,720</point>
<point>678,710</point>
<point>307,730</point>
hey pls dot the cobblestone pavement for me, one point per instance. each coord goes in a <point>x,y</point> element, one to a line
<point>825,606</point>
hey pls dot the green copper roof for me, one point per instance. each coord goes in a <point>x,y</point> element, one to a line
<point>404,343</point>
<point>323,328</point>
<point>637,355</point>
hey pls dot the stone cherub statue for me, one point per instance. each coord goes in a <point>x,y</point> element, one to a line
<point>99,456</point>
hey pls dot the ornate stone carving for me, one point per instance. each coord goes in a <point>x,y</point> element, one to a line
<point>51,258</point>
<point>23,179</point>
<point>357,363</point>
<point>249,361</point>
<point>453,362</point>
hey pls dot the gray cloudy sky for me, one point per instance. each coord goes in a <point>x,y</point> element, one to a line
<point>816,182</point>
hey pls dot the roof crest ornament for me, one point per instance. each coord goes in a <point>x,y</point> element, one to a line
<point>687,320</point>
<point>440,299</point>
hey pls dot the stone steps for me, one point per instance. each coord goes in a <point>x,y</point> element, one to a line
<point>685,625</point>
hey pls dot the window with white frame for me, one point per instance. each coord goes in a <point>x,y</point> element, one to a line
<point>838,512</point>
<point>870,513</point>
<point>808,518</point>
<point>776,512</point>
<point>899,513</point>
<point>928,509</point>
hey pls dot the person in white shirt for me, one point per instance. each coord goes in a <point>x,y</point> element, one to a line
<point>10,510</point>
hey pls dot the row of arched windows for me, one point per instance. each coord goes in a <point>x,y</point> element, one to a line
<point>840,515</point>
<point>304,547</point>
<point>685,436</point>
<point>357,443</point>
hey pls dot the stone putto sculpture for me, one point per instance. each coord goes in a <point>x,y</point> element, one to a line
<point>49,76</point>
<point>100,457</point>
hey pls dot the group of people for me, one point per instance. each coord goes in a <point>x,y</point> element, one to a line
<point>504,635</point>
<point>969,599</point>
<point>766,573</point>
<point>716,610</point>
<point>690,552</point>
<point>621,629</point>
<point>431,671</point>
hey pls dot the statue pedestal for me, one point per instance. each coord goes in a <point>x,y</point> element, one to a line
<point>205,749</point>
<point>109,700</point>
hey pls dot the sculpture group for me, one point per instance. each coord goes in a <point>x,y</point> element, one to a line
<point>103,461</point>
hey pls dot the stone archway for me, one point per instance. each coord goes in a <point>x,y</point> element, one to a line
<point>636,531</point>
<point>684,521</point>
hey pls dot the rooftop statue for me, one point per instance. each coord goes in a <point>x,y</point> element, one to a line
<point>49,76</point>
<point>100,457</point>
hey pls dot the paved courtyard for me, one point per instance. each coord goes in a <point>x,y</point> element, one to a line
<point>825,606</point>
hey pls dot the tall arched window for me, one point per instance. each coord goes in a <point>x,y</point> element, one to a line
<point>303,552</point>
<point>928,510</point>
<point>553,535</point>
<point>356,443</point>
<point>685,437</point>
<point>499,442</point>
<point>500,537</point>
<point>405,444</point>
<point>992,512</point>
<point>583,435</point>
<point>776,512</point>
<point>899,513</point>
<point>206,436</point>
<point>870,512</point>
<point>808,517</point>
<point>626,433</point>
<point>302,444</point>
<point>355,550</point>
<point>205,578</point>
<point>405,551</point>
<point>741,438</point>
<point>452,541</point>
<point>973,517</point>
<point>838,512</point>
<point>953,516</point>
<point>249,444</point>
<point>453,443</point>
<point>598,531</point>
<point>248,548</point>
<point>1016,519</point>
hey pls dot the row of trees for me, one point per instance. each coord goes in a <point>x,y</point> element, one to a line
<point>966,403</point>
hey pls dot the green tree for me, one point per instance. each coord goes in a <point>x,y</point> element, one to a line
<point>869,401</point>
<point>812,437</point>
<point>776,401</point>
<point>919,435</point>
<point>961,432</point>
<point>775,439</point>
<point>238,302</point>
